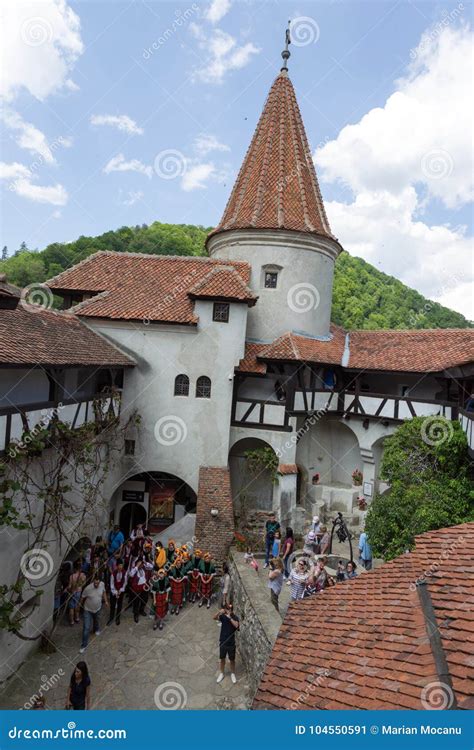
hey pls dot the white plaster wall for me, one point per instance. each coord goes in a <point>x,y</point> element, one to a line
<point>198,428</point>
<point>330,448</point>
<point>23,386</point>
<point>302,300</point>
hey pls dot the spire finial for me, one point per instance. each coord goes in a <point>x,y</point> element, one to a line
<point>286,52</point>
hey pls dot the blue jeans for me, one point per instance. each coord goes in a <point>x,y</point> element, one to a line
<point>286,566</point>
<point>90,619</point>
<point>268,549</point>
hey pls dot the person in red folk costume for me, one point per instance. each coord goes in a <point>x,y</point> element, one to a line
<point>208,572</point>
<point>139,587</point>
<point>194,576</point>
<point>160,590</point>
<point>118,584</point>
<point>177,582</point>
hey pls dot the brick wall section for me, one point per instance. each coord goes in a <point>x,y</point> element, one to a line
<point>214,535</point>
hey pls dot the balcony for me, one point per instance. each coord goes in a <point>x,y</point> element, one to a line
<point>466,419</point>
<point>16,421</point>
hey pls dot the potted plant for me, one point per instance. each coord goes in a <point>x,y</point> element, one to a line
<point>357,477</point>
<point>362,503</point>
<point>315,479</point>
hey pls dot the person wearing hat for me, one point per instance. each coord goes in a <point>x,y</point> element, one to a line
<point>160,591</point>
<point>160,555</point>
<point>177,581</point>
<point>208,572</point>
<point>194,576</point>
<point>171,552</point>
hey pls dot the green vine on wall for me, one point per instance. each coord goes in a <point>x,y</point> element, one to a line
<point>262,459</point>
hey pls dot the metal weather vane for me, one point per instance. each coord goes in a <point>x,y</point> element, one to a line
<point>286,52</point>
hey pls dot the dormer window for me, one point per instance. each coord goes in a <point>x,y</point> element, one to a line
<point>271,279</point>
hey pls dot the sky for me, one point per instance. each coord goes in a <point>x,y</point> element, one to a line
<point>124,113</point>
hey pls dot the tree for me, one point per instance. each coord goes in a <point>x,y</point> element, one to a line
<point>4,252</point>
<point>426,463</point>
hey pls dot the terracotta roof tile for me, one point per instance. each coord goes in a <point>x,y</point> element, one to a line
<point>277,187</point>
<point>135,286</point>
<point>364,643</point>
<point>31,337</point>
<point>430,350</point>
<point>223,282</point>
<point>287,469</point>
<point>250,363</point>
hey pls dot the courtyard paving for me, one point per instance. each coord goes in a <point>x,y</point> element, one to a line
<point>134,667</point>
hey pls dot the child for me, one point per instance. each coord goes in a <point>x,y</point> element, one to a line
<point>276,544</point>
<point>248,556</point>
<point>194,576</point>
<point>341,571</point>
<point>177,582</point>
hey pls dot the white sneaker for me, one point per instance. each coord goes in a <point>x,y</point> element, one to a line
<point>266,565</point>
<point>220,677</point>
<point>82,649</point>
<point>98,632</point>
<point>288,583</point>
<point>233,678</point>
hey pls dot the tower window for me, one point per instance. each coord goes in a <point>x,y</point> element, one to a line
<point>203,387</point>
<point>181,385</point>
<point>271,278</point>
<point>220,312</point>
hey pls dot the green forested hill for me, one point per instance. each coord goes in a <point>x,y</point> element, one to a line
<point>363,296</point>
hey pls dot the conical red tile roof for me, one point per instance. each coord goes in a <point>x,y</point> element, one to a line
<point>277,187</point>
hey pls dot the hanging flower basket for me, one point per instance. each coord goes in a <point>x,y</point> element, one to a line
<point>315,479</point>
<point>362,503</point>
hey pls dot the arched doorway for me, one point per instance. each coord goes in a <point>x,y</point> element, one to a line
<point>131,514</point>
<point>251,490</point>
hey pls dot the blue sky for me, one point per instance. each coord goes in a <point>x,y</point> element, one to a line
<point>111,88</point>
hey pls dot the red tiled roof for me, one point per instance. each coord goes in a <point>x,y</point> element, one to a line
<point>277,187</point>
<point>291,346</point>
<point>250,362</point>
<point>287,469</point>
<point>418,351</point>
<point>49,338</point>
<point>135,286</point>
<point>364,644</point>
<point>397,351</point>
<point>223,282</point>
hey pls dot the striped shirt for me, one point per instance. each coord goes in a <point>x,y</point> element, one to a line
<point>298,583</point>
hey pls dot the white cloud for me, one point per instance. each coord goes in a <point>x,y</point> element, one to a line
<point>223,54</point>
<point>133,196</point>
<point>28,136</point>
<point>13,170</point>
<point>205,143</point>
<point>217,10</point>
<point>40,42</point>
<point>22,182</point>
<point>400,157</point>
<point>121,122</point>
<point>119,164</point>
<point>197,176</point>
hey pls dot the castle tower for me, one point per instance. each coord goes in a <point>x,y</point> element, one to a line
<point>276,221</point>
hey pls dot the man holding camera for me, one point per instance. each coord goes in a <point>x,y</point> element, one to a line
<point>229,625</point>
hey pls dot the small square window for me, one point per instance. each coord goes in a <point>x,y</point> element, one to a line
<point>271,278</point>
<point>130,447</point>
<point>221,312</point>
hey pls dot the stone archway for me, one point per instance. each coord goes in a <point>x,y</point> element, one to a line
<point>250,492</point>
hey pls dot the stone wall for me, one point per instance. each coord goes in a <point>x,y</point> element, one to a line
<point>259,621</point>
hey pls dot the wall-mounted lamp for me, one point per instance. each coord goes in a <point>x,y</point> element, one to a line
<point>214,512</point>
